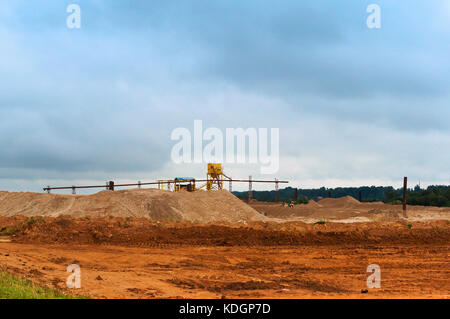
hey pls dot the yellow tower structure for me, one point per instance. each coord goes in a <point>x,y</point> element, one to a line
<point>214,177</point>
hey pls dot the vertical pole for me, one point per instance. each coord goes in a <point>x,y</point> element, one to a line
<point>73,190</point>
<point>48,189</point>
<point>139,184</point>
<point>250,191</point>
<point>360,196</point>
<point>276,191</point>
<point>405,185</point>
<point>111,185</point>
<point>230,186</point>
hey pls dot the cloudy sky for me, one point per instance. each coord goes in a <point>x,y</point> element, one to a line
<point>355,106</point>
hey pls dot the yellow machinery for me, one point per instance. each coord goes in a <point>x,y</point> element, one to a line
<point>291,204</point>
<point>163,182</point>
<point>184,183</point>
<point>214,181</point>
<point>214,177</point>
<point>178,184</point>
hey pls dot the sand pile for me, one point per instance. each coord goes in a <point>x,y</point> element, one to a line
<point>348,209</point>
<point>346,201</point>
<point>154,204</point>
<point>312,203</point>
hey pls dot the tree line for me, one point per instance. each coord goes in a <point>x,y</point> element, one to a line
<point>436,195</point>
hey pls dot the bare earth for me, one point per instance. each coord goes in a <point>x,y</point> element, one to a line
<point>154,244</point>
<point>180,260</point>
<point>238,272</point>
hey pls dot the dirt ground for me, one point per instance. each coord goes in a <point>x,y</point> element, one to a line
<point>349,210</point>
<point>137,258</point>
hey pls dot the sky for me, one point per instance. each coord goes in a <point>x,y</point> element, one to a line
<point>354,106</point>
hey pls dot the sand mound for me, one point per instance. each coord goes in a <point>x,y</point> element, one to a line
<point>154,204</point>
<point>345,201</point>
<point>312,203</point>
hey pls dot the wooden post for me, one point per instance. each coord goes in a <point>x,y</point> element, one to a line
<point>111,185</point>
<point>405,186</point>
<point>250,191</point>
<point>276,191</point>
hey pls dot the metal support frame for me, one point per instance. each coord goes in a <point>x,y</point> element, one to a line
<point>214,181</point>
<point>214,177</point>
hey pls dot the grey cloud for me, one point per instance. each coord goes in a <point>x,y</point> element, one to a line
<point>105,98</point>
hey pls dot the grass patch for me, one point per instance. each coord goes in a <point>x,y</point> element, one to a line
<point>33,220</point>
<point>320,222</point>
<point>12,287</point>
<point>11,231</point>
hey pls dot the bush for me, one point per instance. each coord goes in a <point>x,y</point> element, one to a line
<point>12,231</point>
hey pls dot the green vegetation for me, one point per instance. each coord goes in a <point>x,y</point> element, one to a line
<point>432,196</point>
<point>12,287</point>
<point>11,231</point>
<point>33,220</point>
<point>374,193</point>
<point>27,224</point>
<point>320,222</point>
<point>409,226</point>
<point>299,201</point>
